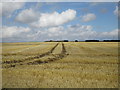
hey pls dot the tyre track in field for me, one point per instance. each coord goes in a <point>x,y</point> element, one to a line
<point>48,60</point>
<point>19,62</point>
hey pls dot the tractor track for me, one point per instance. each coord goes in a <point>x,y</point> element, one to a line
<point>48,60</point>
<point>28,59</point>
<point>62,54</point>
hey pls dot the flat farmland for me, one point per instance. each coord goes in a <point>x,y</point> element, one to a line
<point>60,65</point>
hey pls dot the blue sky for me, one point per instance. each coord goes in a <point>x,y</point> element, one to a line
<point>97,20</point>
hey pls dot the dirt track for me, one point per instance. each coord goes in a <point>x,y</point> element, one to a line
<point>59,56</point>
<point>31,60</point>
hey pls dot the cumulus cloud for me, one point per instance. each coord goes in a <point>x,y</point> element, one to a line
<point>57,32</point>
<point>80,32</point>
<point>55,18</point>
<point>109,35</point>
<point>116,11</point>
<point>27,16</point>
<point>14,31</point>
<point>88,17</point>
<point>9,7</point>
<point>71,32</point>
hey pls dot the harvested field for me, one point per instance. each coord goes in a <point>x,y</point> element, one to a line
<point>60,65</point>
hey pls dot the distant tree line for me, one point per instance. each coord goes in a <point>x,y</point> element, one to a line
<point>57,41</point>
<point>84,41</point>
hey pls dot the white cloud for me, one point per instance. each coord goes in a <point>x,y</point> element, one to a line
<point>71,32</point>
<point>56,31</point>
<point>116,11</point>
<point>88,17</point>
<point>27,16</point>
<point>81,32</point>
<point>55,18</point>
<point>14,31</point>
<point>109,35</point>
<point>10,7</point>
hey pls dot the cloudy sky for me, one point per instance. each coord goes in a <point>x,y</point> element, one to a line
<point>41,21</point>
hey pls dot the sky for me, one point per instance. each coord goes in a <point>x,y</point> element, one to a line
<point>42,21</point>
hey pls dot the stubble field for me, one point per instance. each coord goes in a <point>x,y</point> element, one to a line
<point>60,65</point>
